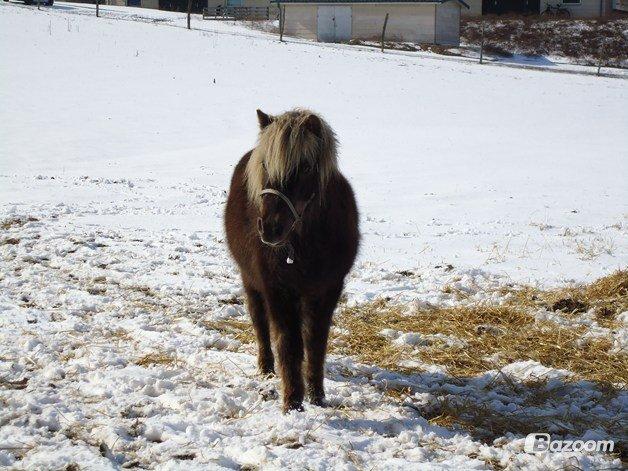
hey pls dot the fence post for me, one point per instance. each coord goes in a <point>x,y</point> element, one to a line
<point>189,12</point>
<point>384,31</point>
<point>282,21</point>
<point>482,44</point>
<point>97,8</point>
<point>600,54</point>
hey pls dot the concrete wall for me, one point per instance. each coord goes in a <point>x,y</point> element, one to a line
<point>475,8</point>
<point>300,21</point>
<point>413,23</point>
<point>447,30</point>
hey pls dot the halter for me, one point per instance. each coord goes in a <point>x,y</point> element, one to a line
<point>298,218</point>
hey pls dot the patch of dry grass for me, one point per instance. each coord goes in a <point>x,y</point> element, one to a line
<point>155,358</point>
<point>239,330</point>
<point>8,223</point>
<point>120,334</point>
<point>608,297</point>
<point>495,336</point>
<point>592,248</point>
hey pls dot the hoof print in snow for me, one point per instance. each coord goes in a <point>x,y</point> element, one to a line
<point>447,267</point>
<point>184,456</point>
<point>268,394</point>
<point>21,384</point>
<point>96,290</point>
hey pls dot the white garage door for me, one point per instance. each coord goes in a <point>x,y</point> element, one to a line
<point>334,23</point>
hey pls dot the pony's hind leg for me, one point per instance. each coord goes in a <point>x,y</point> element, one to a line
<point>317,313</point>
<point>255,305</point>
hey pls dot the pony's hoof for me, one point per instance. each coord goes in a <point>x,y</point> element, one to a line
<point>318,401</point>
<point>290,406</point>
<point>267,371</point>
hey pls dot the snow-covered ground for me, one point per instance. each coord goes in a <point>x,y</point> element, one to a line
<point>117,142</point>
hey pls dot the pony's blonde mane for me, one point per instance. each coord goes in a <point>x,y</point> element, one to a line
<point>284,145</point>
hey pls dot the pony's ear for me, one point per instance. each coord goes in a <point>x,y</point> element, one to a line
<point>264,119</point>
<point>314,125</point>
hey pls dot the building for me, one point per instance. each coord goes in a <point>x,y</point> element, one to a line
<point>577,8</point>
<point>212,4</point>
<point>170,5</point>
<point>418,21</point>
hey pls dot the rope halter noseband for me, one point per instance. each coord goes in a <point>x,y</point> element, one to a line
<point>297,216</point>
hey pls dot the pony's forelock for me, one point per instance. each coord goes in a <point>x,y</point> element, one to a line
<point>284,145</point>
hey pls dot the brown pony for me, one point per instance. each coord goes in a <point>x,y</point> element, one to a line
<point>292,227</point>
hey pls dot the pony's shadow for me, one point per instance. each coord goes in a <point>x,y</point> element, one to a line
<point>487,407</point>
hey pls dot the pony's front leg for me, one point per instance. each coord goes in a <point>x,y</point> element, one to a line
<point>255,304</point>
<point>285,321</point>
<point>317,314</point>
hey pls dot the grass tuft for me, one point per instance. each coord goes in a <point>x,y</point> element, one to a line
<point>8,223</point>
<point>155,359</point>
<point>239,330</point>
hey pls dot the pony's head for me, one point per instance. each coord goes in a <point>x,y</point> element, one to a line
<point>295,158</point>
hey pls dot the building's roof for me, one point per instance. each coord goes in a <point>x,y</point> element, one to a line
<point>462,2</point>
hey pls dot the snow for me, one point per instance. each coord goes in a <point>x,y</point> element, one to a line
<point>118,139</point>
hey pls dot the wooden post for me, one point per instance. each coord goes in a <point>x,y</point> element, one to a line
<point>600,53</point>
<point>189,12</point>
<point>97,8</point>
<point>384,31</point>
<point>282,21</point>
<point>482,44</point>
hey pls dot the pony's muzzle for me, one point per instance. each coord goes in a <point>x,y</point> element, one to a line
<point>271,234</point>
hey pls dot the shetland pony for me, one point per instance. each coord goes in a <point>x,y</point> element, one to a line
<point>292,227</point>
